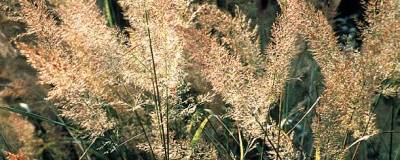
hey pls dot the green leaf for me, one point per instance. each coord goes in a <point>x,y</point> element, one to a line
<point>109,12</point>
<point>241,146</point>
<point>199,132</point>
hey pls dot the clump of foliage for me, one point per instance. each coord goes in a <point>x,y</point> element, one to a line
<point>192,79</point>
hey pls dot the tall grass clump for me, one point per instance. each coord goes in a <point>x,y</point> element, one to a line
<point>191,80</point>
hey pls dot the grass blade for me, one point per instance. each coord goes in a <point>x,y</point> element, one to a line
<point>241,145</point>
<point>304,116</point>
<point>199,132</point>
<point>109,12</point>
<point>223,124</point>
<point>33,115</point>
<point>87,149</point>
